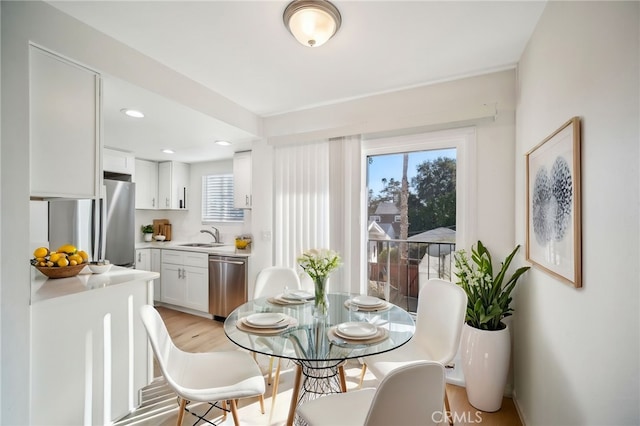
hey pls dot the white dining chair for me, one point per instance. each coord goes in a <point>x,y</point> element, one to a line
<point>205,376</point>
<point>441,312</point>
<point>410,395</point>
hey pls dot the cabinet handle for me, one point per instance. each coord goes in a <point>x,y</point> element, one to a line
<point>246,200</point>
<point>166,202</point>
<point>153,202</point>
<point>179,273</point>
<point>184,274</point>
<point>139,258</point>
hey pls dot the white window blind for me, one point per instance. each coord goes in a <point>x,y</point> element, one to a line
<point>217,200</point>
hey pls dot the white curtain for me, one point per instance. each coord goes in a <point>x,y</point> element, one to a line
<point>301,198</point>
<point>318,194</point>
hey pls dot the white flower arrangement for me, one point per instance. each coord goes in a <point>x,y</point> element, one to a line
<point>319,263</point>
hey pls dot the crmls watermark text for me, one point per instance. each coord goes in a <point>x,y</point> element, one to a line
<point>464,417</point>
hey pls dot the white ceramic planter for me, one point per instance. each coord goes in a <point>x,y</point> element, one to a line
<point>485,363</point>
<point>148,237</point>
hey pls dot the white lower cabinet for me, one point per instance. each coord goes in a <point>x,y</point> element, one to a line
<point>185,279</point>
<point>148,259</point>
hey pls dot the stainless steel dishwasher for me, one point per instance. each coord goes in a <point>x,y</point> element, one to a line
<point>227,284</point>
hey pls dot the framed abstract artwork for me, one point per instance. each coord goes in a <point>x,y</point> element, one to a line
<point>553,231</point>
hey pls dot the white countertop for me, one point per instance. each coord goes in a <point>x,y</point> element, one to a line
<point>229,250</point>
<point>43,288</point>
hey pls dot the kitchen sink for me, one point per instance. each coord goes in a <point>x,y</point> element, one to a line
<point>204,245</point>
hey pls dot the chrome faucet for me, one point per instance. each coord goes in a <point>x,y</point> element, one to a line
<point>216,236</point>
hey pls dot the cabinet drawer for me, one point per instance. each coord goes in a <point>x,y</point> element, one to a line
<point>185,258</point>
<point>199,260</point>
<point>173,256</point>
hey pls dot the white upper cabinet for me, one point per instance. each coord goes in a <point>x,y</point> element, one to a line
<point>173,182</point>
<point>146,184</point>
<point>242,180</point>
<point>118,162</point>
<point>64,108</point>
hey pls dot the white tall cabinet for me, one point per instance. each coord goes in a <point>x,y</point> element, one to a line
<point>173,181</point>
<point>64,108</point>
<point>146,184</point>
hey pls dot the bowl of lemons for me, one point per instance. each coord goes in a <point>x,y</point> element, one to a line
<point>67,261</point>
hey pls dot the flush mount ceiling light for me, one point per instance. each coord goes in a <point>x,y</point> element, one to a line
<point>312,22</point>
<point>223,143</point>
<point>132,113</point>
<point>168,151</point>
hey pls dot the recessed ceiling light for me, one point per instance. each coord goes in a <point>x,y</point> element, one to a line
<point>132,113</point>
<point>223,143</point>
<point>168,151</point>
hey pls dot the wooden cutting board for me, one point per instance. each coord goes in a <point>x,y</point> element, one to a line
<point>160,228</point>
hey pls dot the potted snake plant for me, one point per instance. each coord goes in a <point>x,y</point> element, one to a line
<point>486,342</point>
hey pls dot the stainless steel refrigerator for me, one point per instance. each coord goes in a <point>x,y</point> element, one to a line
<point>104,228</point>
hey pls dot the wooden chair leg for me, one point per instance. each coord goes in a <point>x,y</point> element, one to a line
<point>276,382</point>
<point>447,408</point>
<point>364,370</point>
<point>224,410</point>
<point>183,406</point>
<point>270,370</point>
<point>343,378</point>
<point>234,412</point>
<point>294,395</point>
<point>262,404</point>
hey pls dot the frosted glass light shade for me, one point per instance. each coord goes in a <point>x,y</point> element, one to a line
<point>312,22</point>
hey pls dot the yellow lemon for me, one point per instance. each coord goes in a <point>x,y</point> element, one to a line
<point>73,262</point>
<point>56,256</point>
<point>49,264</point>
<point>67,248</point>
<point>62,262</point>
<point>83,254</point>
<point>40,252</point>
<point>75,258</point>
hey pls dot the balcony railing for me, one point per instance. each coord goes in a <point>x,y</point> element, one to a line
<point>394,267</point>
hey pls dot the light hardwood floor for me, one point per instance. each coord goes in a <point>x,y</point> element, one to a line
<point>195,334</point>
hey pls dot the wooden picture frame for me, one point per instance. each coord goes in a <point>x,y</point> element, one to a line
<point>553,230</point>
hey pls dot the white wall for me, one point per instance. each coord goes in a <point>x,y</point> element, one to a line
<point>44,25</point>
<point>472,101</point>
<point>576,350</point>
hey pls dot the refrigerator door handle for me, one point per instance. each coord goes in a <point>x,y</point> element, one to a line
<point>98,241</point>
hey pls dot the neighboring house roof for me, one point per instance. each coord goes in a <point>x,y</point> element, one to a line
<point>376,232</point>
<point>387,208</point>
<point>437,235</point>
<point>389,229</point>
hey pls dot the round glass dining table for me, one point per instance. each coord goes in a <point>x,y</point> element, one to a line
<point>319,345</point>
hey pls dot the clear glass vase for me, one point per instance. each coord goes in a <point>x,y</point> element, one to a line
<point>321,301</point>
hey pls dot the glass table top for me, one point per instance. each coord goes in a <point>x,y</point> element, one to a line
<point>272,326</point>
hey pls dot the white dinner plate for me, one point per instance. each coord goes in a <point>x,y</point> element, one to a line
<point>267,320</point>
<point>368,301</point>
<point>356,330</point>
<point>298,295</point>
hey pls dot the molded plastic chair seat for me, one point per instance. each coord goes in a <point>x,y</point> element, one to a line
<point>202,377</point>
<point>410,395</point>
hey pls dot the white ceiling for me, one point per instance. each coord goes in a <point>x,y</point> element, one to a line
<point>241,50</point>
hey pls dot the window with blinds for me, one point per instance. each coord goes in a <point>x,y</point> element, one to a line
<point>217,200</point>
